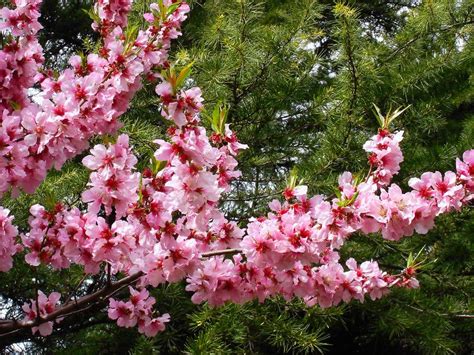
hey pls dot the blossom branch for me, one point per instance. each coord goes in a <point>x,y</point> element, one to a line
<point>6,326</point>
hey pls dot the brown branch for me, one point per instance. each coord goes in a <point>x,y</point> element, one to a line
<point>8,325</point>
<point>352,67</point>
<point>460,315</point>
<point>221,252</point>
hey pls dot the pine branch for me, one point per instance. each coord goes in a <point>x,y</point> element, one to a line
<point>419,35</point>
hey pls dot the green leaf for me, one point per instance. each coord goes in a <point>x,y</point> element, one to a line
<point>378,115</point>
<point>163,11</point>
<point>93,15</point>
<point>157,165</point>
<point>223,118</point>
<point>131,34</point>
<point>385,121</point>
<point>14,105</point>
<point>293,178</point>
<point>140,193</point>
<point>353,198</point>
<point>391,117</point>
<point>172,8</point>
<point>184,74</point>
<point>216,117</point>
<point>108,139</point>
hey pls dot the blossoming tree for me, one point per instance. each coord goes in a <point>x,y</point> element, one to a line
<point>163,224</point>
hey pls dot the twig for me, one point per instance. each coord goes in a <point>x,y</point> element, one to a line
<point>76,288</point>
<point>221,252</point>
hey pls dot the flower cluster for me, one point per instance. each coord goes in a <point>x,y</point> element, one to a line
<point>223,280</point>
<point>39,308</point>
<point>138,310</point>
<point>293,252</point>
<point>62,236</point>
<point>399,214</point>
<point>112,13</point>
<point>84,100</point>
<point>8,246</point>
<point>385,155</point>
<point>113,186</point>
<point>465,171</point>
<point>157,223</point>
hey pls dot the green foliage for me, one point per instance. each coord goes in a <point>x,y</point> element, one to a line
<point>278,327</point>
<point>66,30</point>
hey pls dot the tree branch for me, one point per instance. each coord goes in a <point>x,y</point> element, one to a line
<point>8,325</point>
<point>221,252</point>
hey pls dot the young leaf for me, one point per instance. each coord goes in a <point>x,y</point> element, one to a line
<point>93,16</point>
<point>14,105</point>
<point>378,115</point>
<point>184,74</point>
<point>172,8</point>
<point>215,118</point>
<point>398,112</point>
<point>157,165</point>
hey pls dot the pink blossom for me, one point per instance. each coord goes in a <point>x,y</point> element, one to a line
<point>123,312</point>
<point>138,310</point>
<point>85,100</point>
<point>385,155</point>
<point>8,246</point>
<point>465,169</point>
<point>346,185</point>
<point>47,305</point>
<point>447,193</point>
<point>151,326</point>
